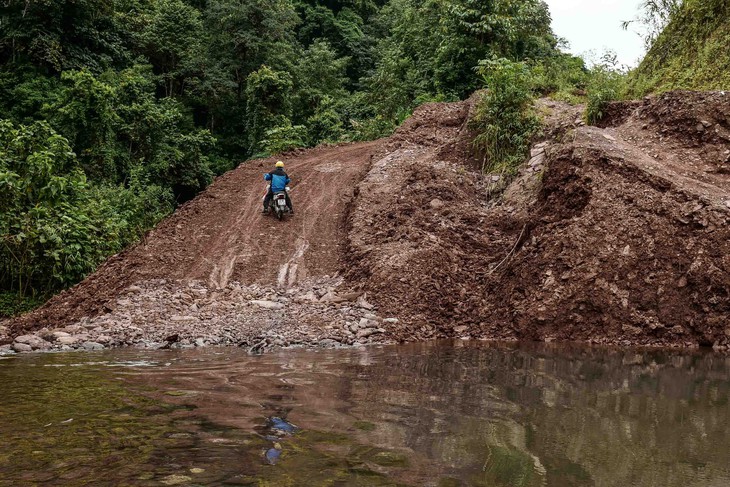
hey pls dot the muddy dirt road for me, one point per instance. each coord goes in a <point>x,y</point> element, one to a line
<point>236,242</point>
<point>221,236</point>
<point>617,234</point>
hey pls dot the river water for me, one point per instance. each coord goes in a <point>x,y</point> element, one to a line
<point>440,414</point>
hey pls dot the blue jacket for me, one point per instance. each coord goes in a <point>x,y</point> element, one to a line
<point>279,180</point>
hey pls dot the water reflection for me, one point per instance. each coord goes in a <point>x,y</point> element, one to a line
<point>438,414</point>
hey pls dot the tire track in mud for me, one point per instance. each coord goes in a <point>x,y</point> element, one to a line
<point>251,247</point>
<point>221,236</point>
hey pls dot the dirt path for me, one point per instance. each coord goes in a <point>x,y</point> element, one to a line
<point>222,237</point>
<point>236,242</point>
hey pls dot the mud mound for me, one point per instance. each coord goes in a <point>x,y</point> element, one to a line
<point>626,240</point>
<point>692,118</point>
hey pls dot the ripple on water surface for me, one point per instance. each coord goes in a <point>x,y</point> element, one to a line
<point>442,414</point>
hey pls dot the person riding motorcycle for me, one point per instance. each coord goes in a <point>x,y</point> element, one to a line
<point>279,181</point>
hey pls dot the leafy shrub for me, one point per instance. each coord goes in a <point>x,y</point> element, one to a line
<point>325,125</point>
<point>267,93</point>
<point>55,226</point>
<point>284,137</point>
<point>371,128</point>
<point>504,117</point>
<point>47,236</point>
<point>607,83</point>
<point>691,53</point>
<point>561,74</point>
<point>12,304</point>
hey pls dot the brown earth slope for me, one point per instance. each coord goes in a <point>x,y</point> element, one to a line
<point>221,238</point>
<point>609,235</point>
<point>616,234</point>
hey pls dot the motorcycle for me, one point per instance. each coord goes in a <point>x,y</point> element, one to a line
<point>278,203</point>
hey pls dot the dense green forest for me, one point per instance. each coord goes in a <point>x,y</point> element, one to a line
<point>115,111</point>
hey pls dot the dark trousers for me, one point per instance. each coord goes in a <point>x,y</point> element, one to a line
<point>270,196</point>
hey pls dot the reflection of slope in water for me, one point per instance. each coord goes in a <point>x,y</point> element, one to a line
<point>527,415</point>
<point>506,415</point>
<point>588,416</point>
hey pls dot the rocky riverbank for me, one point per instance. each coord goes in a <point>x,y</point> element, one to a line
<point>161,314</point>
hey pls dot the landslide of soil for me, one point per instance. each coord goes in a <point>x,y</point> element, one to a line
<point>616,234</point>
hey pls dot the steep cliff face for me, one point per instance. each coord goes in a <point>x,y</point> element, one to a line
<point>692,53</point>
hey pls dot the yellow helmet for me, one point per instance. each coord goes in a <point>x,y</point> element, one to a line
<point>280,164</point>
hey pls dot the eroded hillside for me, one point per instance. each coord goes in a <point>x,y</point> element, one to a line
<point>612,235</point>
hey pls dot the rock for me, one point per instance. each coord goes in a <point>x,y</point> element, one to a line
<point>173,338</point>
<point>538,160</point>
<point>537,151</point>
<point>3,330</point>
<point>331,297</point>
<point>26,339</point>
<point>308,297</point>
<point>460,329</point>
<point>22,347</point>
<point>367,332</point>
<point>436,204</point>
<point>631,330</point>
<point>6,349</point>
<point>199,342</point>
<point>370,316</point>
<point>267,304</point>
<point>60,334</point>
<point>176,479</point>
<point>677,329</point>
<point>103,339</point>
<point>67,340</point>
<point>609,137</point>
<point>134,289</point>
<point>727,203</point>
<point>194,308</point>
<point>179,318</point>
<point>35,342</point>
<point>90,346</point>
<point>391,321</point>
<point>700,128</point>
<point>352,296</point>
<point>363,303</point>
